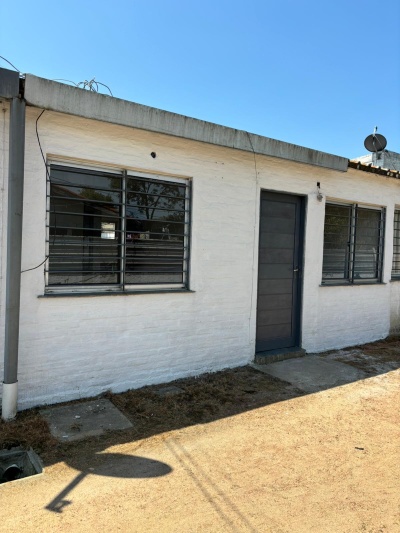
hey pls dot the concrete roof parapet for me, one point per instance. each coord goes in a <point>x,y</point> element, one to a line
<point>59,97</point>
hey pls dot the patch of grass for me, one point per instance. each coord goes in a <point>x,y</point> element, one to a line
<point>28,430</point>
<point>200,398</point>
<point>386,350</point>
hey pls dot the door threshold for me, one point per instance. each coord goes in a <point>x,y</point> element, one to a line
<point>273,356</point>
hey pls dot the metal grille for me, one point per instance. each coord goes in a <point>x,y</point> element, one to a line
<point>353,244</point>
<point>116,230</point>
<point>396,246</point>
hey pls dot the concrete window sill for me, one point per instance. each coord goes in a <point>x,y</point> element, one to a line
<point>352,284</point>
<point>111,293</point>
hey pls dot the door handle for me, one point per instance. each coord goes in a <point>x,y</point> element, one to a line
<point>295,270</point>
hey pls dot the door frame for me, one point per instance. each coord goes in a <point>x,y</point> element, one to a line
<point>301,260</point>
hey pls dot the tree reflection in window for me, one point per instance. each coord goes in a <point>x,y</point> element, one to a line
<point>109,228</point>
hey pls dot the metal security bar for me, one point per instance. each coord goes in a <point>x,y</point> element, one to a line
<point>116,230</point>
<point>396,245</point>
<point>353,244</point>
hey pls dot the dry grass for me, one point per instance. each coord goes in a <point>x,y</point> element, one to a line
<point>386,350</point>
<point>204,399</point>
<point>28,430</point>
<point>373,358</point>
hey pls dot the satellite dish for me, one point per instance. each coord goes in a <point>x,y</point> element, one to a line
<point>375,143</point>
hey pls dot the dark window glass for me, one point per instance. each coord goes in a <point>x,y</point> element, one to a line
<point>59,192</point>
<point>337,232</point>
<point>155,232</point>
<point>353,244</point>
<point>367,249</point>
<point>396,245</point>
<point>85,178</point>
<point>96,239</point>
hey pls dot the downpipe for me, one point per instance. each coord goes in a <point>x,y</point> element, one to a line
<point>14,252</point>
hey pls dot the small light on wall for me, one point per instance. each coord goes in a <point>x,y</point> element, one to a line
<point>320,196</point>
<point>153,155</point>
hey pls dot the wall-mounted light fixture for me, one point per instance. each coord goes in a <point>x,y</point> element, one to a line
<point>320,196</point>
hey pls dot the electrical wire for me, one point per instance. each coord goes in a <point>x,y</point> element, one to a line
<point>85,84</point>
<point>69,81</point>
<point>9,62</point>
<point>93,85</point>
<point>255,228</point>
<point>34,268</point>
<point>48,176</point>
<point>40,146</point>
<point>107,87</point>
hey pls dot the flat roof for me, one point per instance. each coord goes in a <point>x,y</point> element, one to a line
<point>62,98</point>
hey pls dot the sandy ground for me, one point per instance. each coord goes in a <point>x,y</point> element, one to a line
<point>324,462</point>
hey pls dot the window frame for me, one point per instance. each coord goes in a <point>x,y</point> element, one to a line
<point>396,245</point>
<point>121,287</point>
<point>351,255</point>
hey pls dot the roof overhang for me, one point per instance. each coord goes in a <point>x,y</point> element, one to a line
<point>62,98</point>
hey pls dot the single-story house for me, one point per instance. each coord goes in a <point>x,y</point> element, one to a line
<point>157,246</point>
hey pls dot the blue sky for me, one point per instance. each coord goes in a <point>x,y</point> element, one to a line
<point>320,74</point>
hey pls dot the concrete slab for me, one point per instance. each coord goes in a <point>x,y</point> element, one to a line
<point>312,373</point>
<point>86,419</point>
<point>273,356</point>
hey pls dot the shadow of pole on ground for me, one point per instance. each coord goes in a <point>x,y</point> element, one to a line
<point>111,465</point>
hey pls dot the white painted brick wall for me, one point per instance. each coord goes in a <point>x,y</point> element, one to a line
<point>74,347</point>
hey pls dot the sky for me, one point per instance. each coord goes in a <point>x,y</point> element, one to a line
<point>320,74</point>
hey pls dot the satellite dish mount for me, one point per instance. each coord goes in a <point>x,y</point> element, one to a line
<point>375,143</point>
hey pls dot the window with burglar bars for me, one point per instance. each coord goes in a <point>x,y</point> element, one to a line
<point>116,231</point>
<point>353,244</point>
<point>396,246</point>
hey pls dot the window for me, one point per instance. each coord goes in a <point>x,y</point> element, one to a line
<point>396,246</point>
<point>353,244</point>
<point>116,231</point>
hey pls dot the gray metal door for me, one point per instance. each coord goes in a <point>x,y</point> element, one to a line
<point>279,271</point>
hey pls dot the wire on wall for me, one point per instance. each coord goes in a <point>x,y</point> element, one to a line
<point>255,227</point>
<point>48,177</point>
<point>91,85</point>
<point>40,145</point>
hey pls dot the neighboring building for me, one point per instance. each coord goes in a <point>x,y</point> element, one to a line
<point>384,159</point>
<point>169,247</point>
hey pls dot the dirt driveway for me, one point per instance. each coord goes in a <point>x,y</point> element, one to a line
<point>272,461</point>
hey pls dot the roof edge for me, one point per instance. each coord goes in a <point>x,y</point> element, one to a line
<point>59,97</point>
<point>359,165</point>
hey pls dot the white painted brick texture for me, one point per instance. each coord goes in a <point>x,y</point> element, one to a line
<point>74,347</point>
